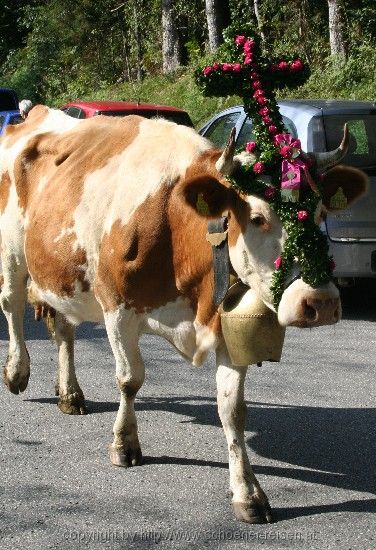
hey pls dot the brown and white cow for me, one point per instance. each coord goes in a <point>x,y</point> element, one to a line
<point>101,216</point>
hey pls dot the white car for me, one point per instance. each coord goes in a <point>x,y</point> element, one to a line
<point>319,126</point>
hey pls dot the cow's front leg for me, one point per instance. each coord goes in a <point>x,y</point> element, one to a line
<point>123,332</point>
<point>249,500</point>
<point>71,398</point>
<point>12,299</point>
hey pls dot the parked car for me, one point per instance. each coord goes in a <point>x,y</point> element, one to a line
<point>9,112</point>
<point>319,126</point>
<point>87,109</point>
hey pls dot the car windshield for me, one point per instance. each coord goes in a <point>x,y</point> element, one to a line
<point>362,143</point>
<point>180,117</point>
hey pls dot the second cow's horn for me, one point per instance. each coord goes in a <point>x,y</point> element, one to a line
<point>331,158</point>
<point>225,163</point>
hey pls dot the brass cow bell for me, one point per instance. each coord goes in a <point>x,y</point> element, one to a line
<point>250,329</point>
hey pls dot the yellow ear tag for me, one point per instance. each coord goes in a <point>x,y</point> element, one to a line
<point>339,200</point>
<point>202,206</point>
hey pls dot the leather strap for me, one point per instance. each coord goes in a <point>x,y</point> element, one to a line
<point>217,237</point>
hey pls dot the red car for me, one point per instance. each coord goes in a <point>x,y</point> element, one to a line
<point>87,109</point>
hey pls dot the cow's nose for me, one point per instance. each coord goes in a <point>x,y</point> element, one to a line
<point>321,311</point>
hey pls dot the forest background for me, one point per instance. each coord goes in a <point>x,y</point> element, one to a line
<point>54,51</point>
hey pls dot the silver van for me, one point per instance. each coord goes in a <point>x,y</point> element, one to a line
<point>319,126</point>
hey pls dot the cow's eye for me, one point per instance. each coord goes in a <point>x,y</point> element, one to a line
<point>257,220</point>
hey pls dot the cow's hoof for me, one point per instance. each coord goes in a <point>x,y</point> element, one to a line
<point>72,403</point>
<point>18,383</point>
<point>125,458</point>
<point>255,511</point>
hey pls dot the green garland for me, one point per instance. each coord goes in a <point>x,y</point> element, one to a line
<point>253,76</point>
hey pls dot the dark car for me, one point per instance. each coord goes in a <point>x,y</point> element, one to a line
<point>319,126</point>
<point>9,112</point>
<point>87,109</point>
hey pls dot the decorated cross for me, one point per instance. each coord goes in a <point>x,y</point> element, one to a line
<point>278,170</point>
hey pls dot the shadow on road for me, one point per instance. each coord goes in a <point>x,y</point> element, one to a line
<point>359,301</point>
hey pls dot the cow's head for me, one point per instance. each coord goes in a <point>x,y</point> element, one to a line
<point>256,235</point>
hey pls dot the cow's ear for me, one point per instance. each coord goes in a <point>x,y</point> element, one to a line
<point>206,196</point>
<point>342,186</point>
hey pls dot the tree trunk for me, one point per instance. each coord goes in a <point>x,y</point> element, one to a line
<point>170,38</point>
<point>139,68</point>
<point>214,22</point>
<point>336,28</point>
<point>260,23</point>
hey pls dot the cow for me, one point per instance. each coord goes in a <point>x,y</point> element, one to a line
<point>102,217</point>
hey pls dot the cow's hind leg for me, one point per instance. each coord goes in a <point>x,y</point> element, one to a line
<point>123,332</point>
<point>12,299</point>
<point>71,398</point>
<point>249,500</point>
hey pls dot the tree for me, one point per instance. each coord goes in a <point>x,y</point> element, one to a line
<point>336,28</point>
<point>170,38</point>
<point>214,22</point>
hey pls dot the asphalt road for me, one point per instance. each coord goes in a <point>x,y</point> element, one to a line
<point>311,435</point>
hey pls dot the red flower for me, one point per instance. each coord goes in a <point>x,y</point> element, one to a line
<point>256,84</point>
<point>227,67</point>
<point>269,192</point>
<point>261,100</point>
<point>278,262</point>
<point>207,70</point>
<point>296,65</point>
<point>248,46</point>
<point>283,65</point>
<point>250,146</point>
<point>264,111</point>
<point>216,66</point>
<point>266,119</point>
<point>259,167</point>
<point>237,67</point>
<point>286,151</point>
<point>302,215</point>
<point>296,144</point>
<point>240,40</point>
<point>248,58</point>
<point>272,129</point>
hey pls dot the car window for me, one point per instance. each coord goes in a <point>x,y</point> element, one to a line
<point>219,131</point>
<point>16,119</point>
<point>362,138</point>
<point>246,134</point>
<point>180,117</point>
<point>75,112</point>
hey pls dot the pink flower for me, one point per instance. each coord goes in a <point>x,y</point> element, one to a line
<point>237,68</point>
<point>296,144</point>
<point>216,66</point>
<point>259,167</point>
<point>227,67</point>
<point>248,58</point>
<point>283,65</point>
<point>278,263</point>
<point>282,139</point>
<point>272,129</point>
<point>248,46</point>
<point>261,100</point>
<point>264,111</point>
<point>302,215</point>
<point>258,93</point>
<point>269,192</point>
<point>286,151</point>
<point>250,146</point>
<point>207,70</point>
<point>296,65</point>
<point>240,40</point>
<point>256,84</point>
<point>266,119</point>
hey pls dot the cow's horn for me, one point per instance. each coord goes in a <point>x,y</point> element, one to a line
<point>331,158</point>
<point>225,163</point>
